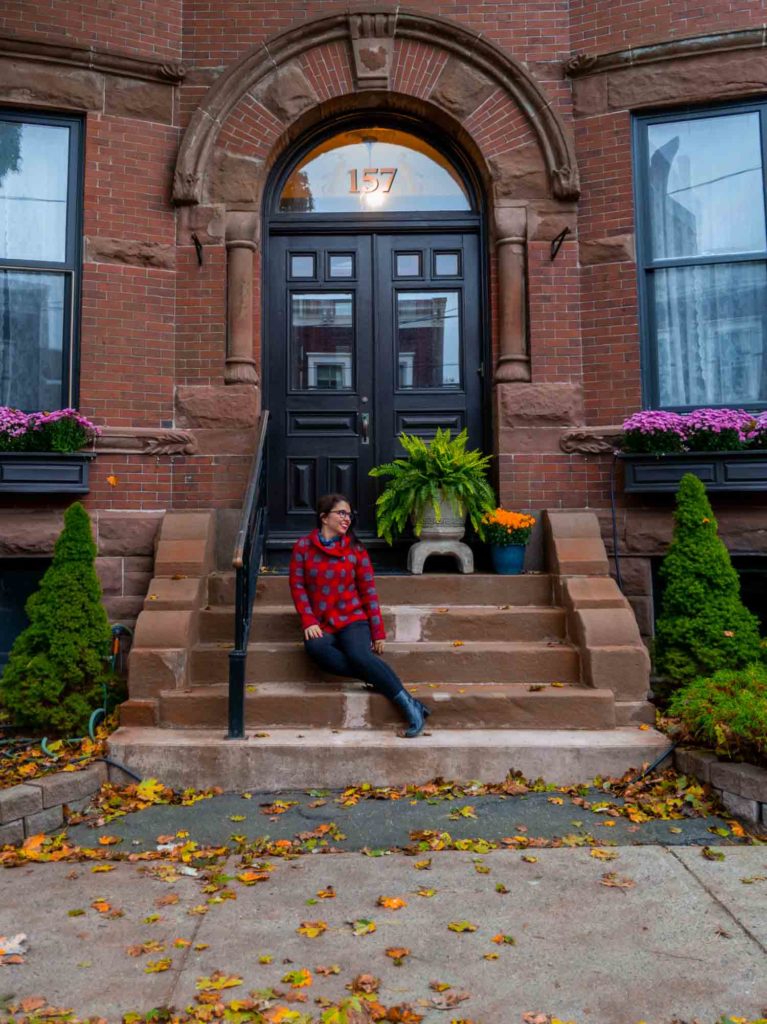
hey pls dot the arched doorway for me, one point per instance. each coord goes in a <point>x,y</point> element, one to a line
<point>374,299</point>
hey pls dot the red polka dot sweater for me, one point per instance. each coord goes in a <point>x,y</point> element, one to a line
<point>332,587</point>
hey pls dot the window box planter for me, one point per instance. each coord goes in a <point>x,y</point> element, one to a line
<point>45,472</point>
<point>719,471</point>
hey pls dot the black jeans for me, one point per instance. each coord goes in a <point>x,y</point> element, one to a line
<point>348,653</point>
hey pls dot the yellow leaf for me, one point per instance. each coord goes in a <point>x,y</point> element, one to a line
<point>312,929</point>
<point>490,956</point>
<point>218,981</point>
<point>529,859</point>
<point>252,877</point>
<point>556,684</point>
<point>157,966</point>
<point>462,926</point>
<point>599,854</point>
<point>265,958</point>
<point>427,892</point>
<point>422,865</point>
<point>397,953</point>
<point>457,643</point>
<point>362,926</point>
<point>555,799</point>
<point>99,868</point>
<point>644,727</point>
<point>327,894</point>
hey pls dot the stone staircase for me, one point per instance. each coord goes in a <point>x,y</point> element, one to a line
<point>544,673</point>
<point>480,652</point>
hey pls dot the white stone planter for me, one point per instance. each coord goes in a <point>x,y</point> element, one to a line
<point>441,538</point>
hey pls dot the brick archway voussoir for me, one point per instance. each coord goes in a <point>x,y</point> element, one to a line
<point>470,74</point>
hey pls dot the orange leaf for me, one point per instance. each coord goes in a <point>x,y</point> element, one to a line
<point>391,902</point>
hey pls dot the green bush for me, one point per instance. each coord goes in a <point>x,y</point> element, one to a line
<point>726,711</point>
<point>703,625</point>
<point>57,668</point>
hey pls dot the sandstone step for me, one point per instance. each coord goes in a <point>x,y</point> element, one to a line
<point>425,661</point>
<point>404,622</point>
<point>290,759</point>
<point>348,705</point>
<point>437,589</point>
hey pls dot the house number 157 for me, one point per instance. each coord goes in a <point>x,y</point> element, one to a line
<point>373,178</point>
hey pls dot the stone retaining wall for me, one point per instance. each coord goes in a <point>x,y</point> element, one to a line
<point>742,788</point>
<point>38,805</point>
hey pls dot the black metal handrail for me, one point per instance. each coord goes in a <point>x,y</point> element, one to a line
<point>248,552</point>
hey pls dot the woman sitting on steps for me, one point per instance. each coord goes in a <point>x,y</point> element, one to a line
<point>333,589</point>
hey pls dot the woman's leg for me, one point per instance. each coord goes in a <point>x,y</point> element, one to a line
<point>355,642</point>
<point>324,652</point>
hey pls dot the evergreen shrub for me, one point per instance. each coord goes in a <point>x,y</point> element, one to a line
<point>57,669</point>
<point>726,711</point>
<point>703,626</point>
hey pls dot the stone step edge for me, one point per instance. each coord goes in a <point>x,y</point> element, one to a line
<point>457,645</point>
<point>512,609</point>
<point>322,758</point>
<point>341,688</point>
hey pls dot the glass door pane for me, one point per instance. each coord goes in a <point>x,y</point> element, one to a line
<point>428,340</point>
<point>322,341</point>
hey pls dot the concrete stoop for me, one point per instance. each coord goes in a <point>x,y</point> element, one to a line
<point>326,758</point>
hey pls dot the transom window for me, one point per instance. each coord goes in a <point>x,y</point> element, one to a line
<point>374,170</point>
<point>39,258</point>
<point>702,250</point>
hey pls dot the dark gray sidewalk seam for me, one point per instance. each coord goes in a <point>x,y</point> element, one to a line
<point>719,902</point>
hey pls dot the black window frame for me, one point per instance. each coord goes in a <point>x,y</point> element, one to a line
<point>71,266</point>
<point>646,265</point>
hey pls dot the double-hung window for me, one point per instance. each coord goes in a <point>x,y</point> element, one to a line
<point>40,188</point>
<point>702,255</point>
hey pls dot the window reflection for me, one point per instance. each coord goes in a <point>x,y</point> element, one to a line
<point>706,193</point>
<point>428,340</point>
<point>322,336</point>
<point>373,170</point>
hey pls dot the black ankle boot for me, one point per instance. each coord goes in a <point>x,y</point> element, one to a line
<point>414,711</point>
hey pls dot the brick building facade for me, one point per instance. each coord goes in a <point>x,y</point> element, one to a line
<point>190,115</point>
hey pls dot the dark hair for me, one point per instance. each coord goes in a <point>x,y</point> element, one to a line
<point>326,504</point>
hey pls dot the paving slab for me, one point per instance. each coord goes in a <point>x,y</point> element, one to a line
<point>382,824</point>
<point>738,882</point>
<point>665,947</point>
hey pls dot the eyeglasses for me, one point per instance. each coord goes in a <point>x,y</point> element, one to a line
<point>343,514</point>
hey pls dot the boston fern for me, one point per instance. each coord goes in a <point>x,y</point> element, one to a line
<point>441,470</point>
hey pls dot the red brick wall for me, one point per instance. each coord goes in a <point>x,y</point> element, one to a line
<point>147,28</point>
<point>146,329</point>
<point>598,26</point>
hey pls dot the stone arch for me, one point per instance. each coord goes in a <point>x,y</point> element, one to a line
<point>471,74</point>
<point>392,59</point>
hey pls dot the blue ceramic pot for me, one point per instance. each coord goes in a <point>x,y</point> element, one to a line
<point>508,560</point>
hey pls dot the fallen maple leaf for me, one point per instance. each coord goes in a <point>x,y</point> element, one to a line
<point>502,939</point>
<point>102,906</point>
<point>600,854</point>
<point>252,877</point>
<point>326,971</point>
<point>448,1000</point>
<point>312,929</point>
<point>298,979</point>
<point>327,894</point>
<point>397,954</point>
<point>614,881</point>
<point>218,981</point>
<point>362,926</point>
<point>391,902</point>
<point>462,926</point>
<point>428,893</point>
<point>422,865</point>
<point>158,966</point>
<point>367,983</point>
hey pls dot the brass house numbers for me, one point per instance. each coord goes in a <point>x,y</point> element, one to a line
<point>373,179</point>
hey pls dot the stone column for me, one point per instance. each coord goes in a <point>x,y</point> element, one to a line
<point>240,365</point>
<point>511,247</point>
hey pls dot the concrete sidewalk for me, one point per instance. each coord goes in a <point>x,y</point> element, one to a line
<point>686,937</point>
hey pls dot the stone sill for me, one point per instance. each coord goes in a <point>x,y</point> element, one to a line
<point>742,788</point>
<point>38,805</point>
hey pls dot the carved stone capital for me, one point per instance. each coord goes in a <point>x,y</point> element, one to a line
<point>187,187</point>
<point>145,441</point>
<point>590,440</point>
<point>240,370</point>
<point>372,39</point>
<point>579,63</point>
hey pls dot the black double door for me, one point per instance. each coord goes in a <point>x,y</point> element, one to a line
<point>367,335</point>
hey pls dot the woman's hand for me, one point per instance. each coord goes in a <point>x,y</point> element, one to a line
<point>312,633</point>
<point>378,646</point>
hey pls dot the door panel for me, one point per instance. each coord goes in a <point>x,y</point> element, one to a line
<point>318,375</point>
<point>369,335</point>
